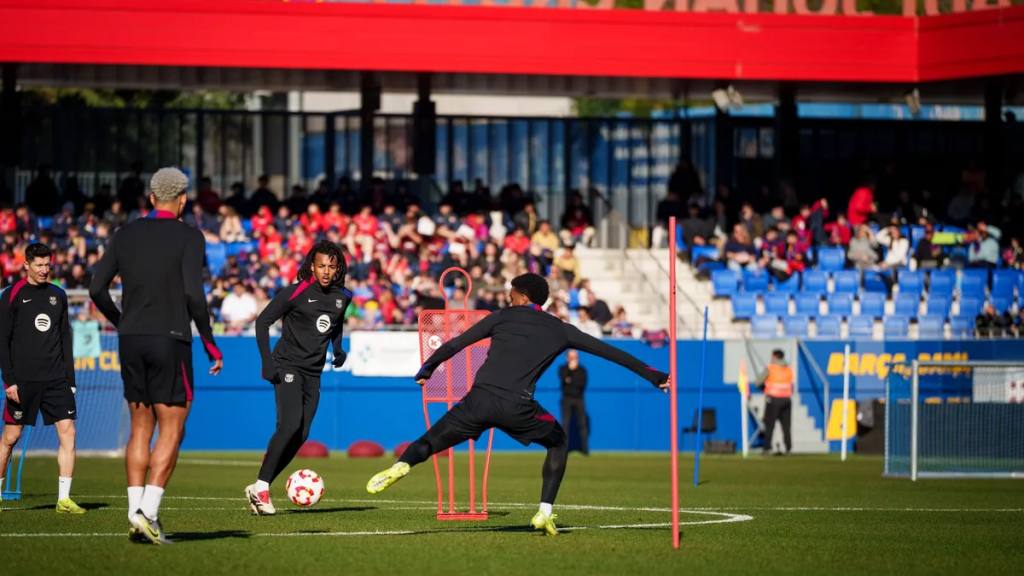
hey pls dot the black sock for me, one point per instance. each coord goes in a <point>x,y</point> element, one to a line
<point>417,452</point>
<point>554,470</point>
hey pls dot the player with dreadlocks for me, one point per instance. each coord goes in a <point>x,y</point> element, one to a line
<point>312,313</point>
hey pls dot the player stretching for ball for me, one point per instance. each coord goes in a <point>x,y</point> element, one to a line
<point>38,366</point>
<point>313,313</point>
<point>524,342</point>
<point>160,261</point>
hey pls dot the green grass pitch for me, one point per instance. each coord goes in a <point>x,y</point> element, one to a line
<point>799,515</point>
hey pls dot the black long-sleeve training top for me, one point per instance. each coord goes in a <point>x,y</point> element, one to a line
<point>524,342</point>
<point>312,316</point>
<point>160,260</point>
<point>35,334</point>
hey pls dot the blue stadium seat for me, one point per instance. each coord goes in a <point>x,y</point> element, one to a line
<point>872,304</point>
<point>911,281</point>
<point>937,306</point>
<point>941,282</point>
<point>962,326</point>
<point>744,306</point>
<point>908,305</point>
<point>916,234</point>
<point>931,328</point>
<point>973,282</point>
<point>1004,281</point>
<point>1001,302</point>
<point>764,326</point>
<point>796,326</point>
<point>840,304</point>
<point>698,252</point>
<point>216,257</point>
<point>862,327</point>
<point>808,303</point>
<point>847,281</point>
<point>756,282</point>
<point>831,259</point>
<point>828,326</point>
<point>725,283</point>
<point>776,303</point>
<point>873,282</point>
<point>896,326</point>
<point>816,281</point>
<point>970,307</point>
<point>789,286</point>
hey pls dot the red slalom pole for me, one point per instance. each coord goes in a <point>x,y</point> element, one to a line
<point>673,380</point>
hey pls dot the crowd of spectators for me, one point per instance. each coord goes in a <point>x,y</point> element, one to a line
<point>396,250</point>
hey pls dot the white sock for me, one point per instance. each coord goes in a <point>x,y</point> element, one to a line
<point>63,487</point>
<point>151,501</point>
<point>134,499</point>
<point>1,487</point>
<point>262,486</point>
<point>545,508</point>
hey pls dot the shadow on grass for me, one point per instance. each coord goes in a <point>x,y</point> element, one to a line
<point>331,510</point>
<point>200,536</point>
<point>86,505</point>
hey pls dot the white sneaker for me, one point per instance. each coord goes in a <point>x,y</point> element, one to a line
<point>259,502</point>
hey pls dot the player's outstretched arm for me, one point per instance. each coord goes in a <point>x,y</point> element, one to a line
<point>99,287</point>
<point>589,344</point>
<point>66,343</point>
<point>195,298</point>
<point>274,311</point>
<point>477,332</point>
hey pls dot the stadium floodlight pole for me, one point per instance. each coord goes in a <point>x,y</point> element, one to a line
<point>915,374</point>
<point>673,381</point>
<point>700,402</point>
<point>846,398</point>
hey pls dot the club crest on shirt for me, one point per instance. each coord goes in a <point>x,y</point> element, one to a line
<point>289,378</point>
<point>338,303</point>
<point>53,300</point>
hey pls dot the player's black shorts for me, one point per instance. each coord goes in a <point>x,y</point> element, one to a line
<point>156,369</point>
<point>55,399</point>
<point>525,421</point>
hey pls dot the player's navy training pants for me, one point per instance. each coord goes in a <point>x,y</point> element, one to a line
<point>297,397</point>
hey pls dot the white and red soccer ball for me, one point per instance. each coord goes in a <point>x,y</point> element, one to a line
<point>304,488</point>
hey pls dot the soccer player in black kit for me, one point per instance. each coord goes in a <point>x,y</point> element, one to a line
<point>160,261</point>
<point>524,341</point>
<point>38,366</point>
<point>313,314</point>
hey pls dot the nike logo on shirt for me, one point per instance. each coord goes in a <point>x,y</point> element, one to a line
<point>310,300</point>
<point>26,301</point>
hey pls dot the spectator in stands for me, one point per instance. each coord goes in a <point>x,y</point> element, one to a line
<point>587,325</point>
<point>671,205</point>
<point>992,323</point>
<point>239,308</point>
<point>776,218</point>
<point>263,195</point>
<point>1013,256</point>
<point>518,242</point>
<point>527,218</point>
<point>740,252</point>
<point>446,216</point>
<point>839,232</point>
<point>751,221</point>
<point>862,205</point>
<point>983,246</point>
<point>132,189</point>
<point>231,229</point>
<point>863,252</point>
<point>898,247</point>
<point>298,200</point>
<point>620,325</point>
<point>545,237</point>
<point>697,230</point>
<point>927,256</point>
<point>795,255</point>
<point>207,198</point>
<point>567,262</point>
<point>237,200</point>
<point>577,224</point>
<point>42,195</point>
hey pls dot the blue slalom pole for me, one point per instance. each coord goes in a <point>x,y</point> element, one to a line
<point>15,493</point>
<point>700,401</point>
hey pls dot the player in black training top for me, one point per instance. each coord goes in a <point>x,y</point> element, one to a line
<point>38,366</point>
<point>160,261</point>
<point>313,314</point>
<point>524,342</point>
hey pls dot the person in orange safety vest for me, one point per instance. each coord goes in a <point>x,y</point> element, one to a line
<point>777,380</point>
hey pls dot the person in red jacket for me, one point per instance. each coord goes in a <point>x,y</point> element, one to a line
<point>862,206</point>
